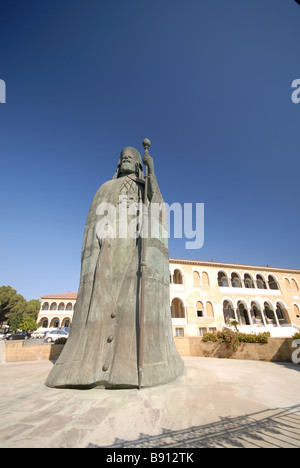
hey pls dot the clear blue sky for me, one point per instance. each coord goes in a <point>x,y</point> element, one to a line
<point>209,82</point>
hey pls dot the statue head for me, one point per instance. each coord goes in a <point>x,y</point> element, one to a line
<point>130,162</point>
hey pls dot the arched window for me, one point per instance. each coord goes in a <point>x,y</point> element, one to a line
<point>53,306</point>
<point>280,313</point>
<point>261,284</point>
<point>45,306</point>
<point>223,279</point>
<point>236,281</point>
<point>61,306</point>
<point>294,285</point>
<point>54,322</point>
<point>69,306</point>
<point>205,279</point>
<point>66,322</point>
<point>177,308</point>
<point>248,281</point>
<point>200,309</point>
<point>45,323</point>
<point>243,313</point>
<point>269,314</point>
<point>196,278</point>
<point>287,284</point>
<point>209,310</point>
<point>272,282</point>
<point>256,314</point>
<point>228,311</point>
<point>296,311</point>
<point>177,277</point>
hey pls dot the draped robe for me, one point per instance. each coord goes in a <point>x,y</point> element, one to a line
<point>102,349</point>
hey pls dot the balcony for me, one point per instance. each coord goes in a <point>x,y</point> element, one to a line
<point>246,290</point>
<point>248,285</point>
<point>179,321</point>
<point>177,287</point>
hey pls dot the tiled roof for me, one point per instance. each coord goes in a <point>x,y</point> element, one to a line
<point>68,295</point>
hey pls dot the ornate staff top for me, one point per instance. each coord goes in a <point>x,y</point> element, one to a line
<point>146,144</point>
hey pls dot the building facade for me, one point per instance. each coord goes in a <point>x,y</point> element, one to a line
<point>205,296</point>
<point>57,310</point>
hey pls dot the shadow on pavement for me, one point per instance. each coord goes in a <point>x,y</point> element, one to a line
<point>277,428</point>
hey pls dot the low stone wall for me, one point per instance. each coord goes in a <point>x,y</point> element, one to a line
<point>277,349</point>
<point>2,352</point>
<point>16,351</point>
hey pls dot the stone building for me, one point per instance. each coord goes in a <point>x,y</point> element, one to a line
<point>207,295</point>
<point>57,310</point>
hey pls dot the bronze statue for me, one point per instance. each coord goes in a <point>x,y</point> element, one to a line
<point>121,335</point>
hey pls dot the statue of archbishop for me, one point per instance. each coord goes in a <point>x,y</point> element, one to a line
<point>103,347</point>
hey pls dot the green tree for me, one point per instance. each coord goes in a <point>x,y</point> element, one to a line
<point>30,315</point>
<point>32,308</point>
<point>19,313</point>
<point>8,300</point>
<point>28,323</point>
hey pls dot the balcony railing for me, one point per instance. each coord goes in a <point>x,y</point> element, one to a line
<point>245,286</point>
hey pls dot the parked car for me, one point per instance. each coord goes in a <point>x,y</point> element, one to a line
<point>66,329</point>
<point>4,334</point>
<point>54,335</point>
<point>38,335</point>
<point>18,336</point>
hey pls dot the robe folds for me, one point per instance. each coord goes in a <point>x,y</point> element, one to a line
<point>102,349</point>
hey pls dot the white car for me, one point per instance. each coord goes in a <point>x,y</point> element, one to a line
<point>54,335</point>
<point>4,334</point>
<point>36,334</point>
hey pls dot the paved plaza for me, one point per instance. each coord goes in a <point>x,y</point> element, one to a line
<point>215,403</point>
